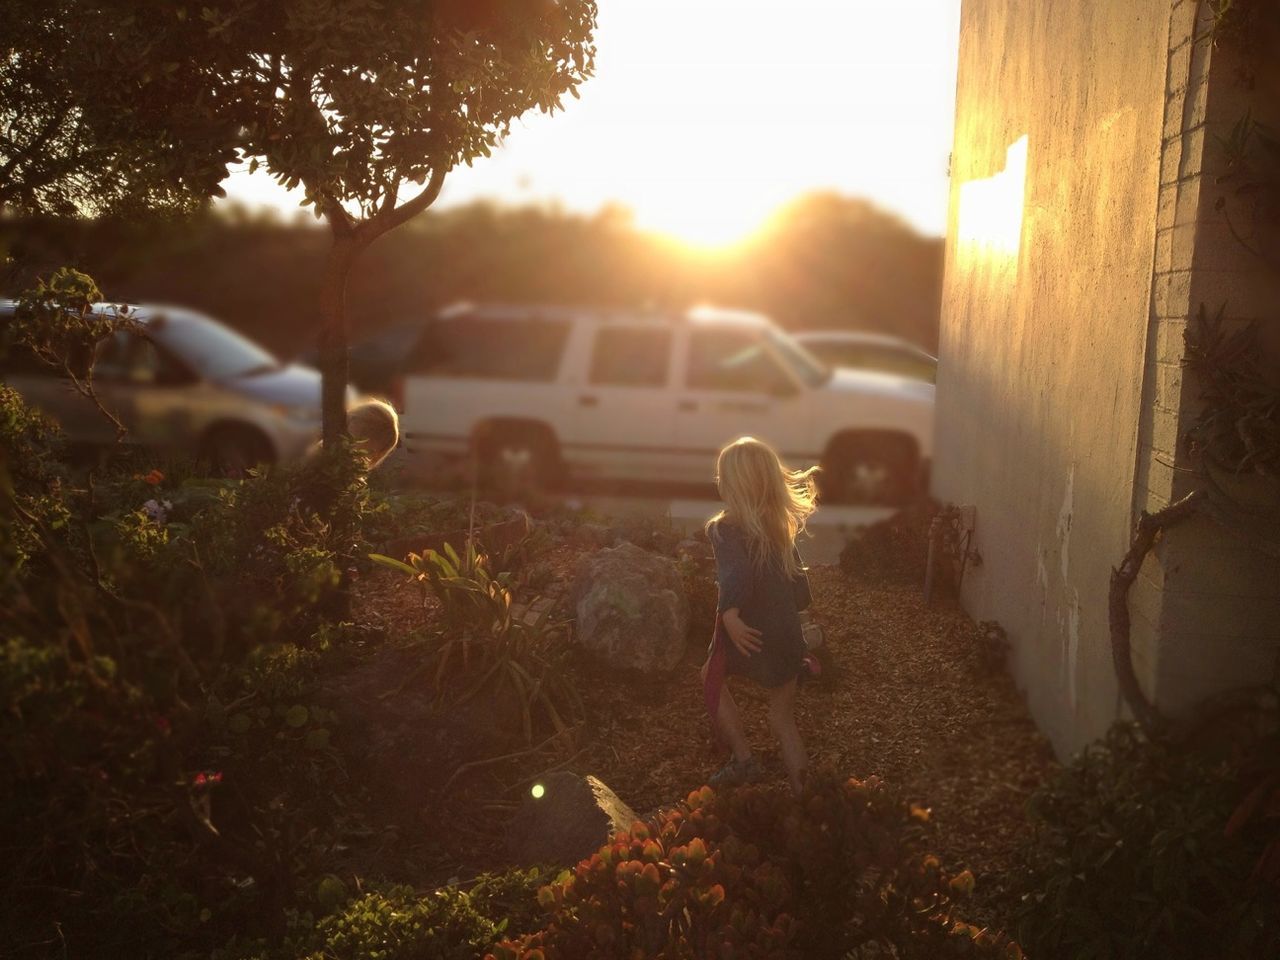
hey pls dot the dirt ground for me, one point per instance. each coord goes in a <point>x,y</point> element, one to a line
<point>911,698</point>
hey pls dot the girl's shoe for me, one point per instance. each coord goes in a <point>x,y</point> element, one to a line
<point>810,667</point>
<point>737,772</point>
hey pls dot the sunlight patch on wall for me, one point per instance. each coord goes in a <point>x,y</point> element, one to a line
<point>990,213</point>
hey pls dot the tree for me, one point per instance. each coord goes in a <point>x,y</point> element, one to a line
<point>364,104</point>
<point>83,132</point>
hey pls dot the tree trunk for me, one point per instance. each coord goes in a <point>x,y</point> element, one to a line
<point>333,336</point>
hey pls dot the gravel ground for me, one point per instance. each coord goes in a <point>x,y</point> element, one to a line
<point>911,698</point>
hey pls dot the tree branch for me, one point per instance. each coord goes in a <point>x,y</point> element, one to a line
<point>1144,537</point>
<point>386,220</point>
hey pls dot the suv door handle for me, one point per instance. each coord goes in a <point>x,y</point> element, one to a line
<point>742,406</point>
<point>588,400</point>
<point>687,406</point>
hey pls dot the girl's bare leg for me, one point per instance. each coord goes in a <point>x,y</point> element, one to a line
<point>782,721</point>
<point>731,725</point>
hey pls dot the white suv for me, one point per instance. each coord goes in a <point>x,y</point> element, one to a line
<point>646,395</point>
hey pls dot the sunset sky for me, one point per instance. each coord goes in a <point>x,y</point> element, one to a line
<point>706,115</point>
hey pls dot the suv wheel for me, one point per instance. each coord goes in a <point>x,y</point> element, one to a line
<point>517,461</point>
<point>872,469</point>
<point>232,450</point>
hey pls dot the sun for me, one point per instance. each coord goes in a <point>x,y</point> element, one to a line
<point>700,217</point>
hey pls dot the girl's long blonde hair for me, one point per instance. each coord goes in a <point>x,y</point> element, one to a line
<point>768,501</point>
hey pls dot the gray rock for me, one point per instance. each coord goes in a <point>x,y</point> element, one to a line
<point>631,608</point>
<point>573,817</point>
<point>695,549</point>
<point>592,534</point>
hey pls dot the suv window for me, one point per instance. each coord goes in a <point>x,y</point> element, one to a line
<point>733,360</point>
<point>630,357</point>
<point>471,346</point>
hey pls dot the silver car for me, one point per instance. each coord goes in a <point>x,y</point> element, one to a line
<point>864,350</point>
<point>183,383</point>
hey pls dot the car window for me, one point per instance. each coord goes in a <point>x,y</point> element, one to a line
<point>886,359</point>
<point>631,357</point>
<point>797,356</point>
<point>725,359</point>
<point>126,358</point>
<point>471,346</point>
<point>212,350</point>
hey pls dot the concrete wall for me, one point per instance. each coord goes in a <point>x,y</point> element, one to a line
<point>1045,325</point>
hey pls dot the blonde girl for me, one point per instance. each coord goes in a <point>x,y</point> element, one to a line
<point>762,589</point>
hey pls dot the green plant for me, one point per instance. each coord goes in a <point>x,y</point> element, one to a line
<point>481,646</point>
<point>754,873</point>
<point>59,324</point>
<point>1130,859</point>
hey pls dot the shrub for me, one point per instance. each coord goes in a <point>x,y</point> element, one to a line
<point>752,873</point>
<point>1130,860</point>
<point>482,646</point>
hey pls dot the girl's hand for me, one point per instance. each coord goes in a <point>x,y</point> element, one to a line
<point>746,639</point>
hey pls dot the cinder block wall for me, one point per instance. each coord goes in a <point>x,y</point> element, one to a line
<point>1206,607</point>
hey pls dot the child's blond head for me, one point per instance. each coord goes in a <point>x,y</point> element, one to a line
<point>374,429</point>
<point>768,501</point>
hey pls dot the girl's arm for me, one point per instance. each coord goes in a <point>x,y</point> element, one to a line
<point>733,578</point>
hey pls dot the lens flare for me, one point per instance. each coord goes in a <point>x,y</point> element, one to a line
<point>538,791</point>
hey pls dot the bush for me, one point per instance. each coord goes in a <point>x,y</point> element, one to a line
<point>395,922</point>
<point>1130,860</point>
<point>483,646</point>
<point>752,873</point>
<point>132,609</point>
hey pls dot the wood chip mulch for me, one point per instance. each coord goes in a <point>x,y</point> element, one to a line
<point>910,698</point>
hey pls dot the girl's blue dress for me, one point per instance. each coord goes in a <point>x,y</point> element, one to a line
<point>766,601</point>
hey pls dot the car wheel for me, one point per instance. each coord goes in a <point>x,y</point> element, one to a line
<point>233,450</point>
<point>517,462</point>
<point>872,469</point>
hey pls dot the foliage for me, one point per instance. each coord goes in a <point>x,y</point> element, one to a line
<point>1237,430</point>
<point>1130,859</point>
<point>482,645</point>
<point>59,324</point>
<point>1252,153</point>
<point>396,924</point>
<point>64,151</point>
<point>32,482</point>
<point>893,549</point>
<point>870,270</point>
<point>395,921</point>
<point>754,873</point>
<point>155,711</point>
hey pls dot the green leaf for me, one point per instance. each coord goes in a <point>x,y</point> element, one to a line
<point>393,563</point>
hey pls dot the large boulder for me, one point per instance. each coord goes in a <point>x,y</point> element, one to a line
<point>631,608</point>
<point>565,818</point>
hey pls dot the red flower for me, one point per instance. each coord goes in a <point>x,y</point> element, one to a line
<point>201,779</point>
<point>154,478</point>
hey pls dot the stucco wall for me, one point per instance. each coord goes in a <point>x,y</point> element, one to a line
<point>1045,325</point>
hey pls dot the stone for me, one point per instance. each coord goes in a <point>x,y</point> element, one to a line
<point>631,609</point>
<point>592,534</point>
<point>695,549</point>
<point>565,818</point>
